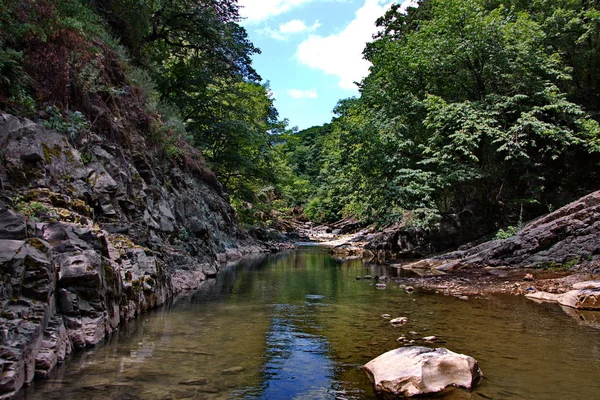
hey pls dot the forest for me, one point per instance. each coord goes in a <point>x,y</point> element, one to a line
<point>491,103</point>
<point>485,103</point>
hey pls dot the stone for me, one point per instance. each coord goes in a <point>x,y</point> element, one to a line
<point>233,370</point>
<point>453,230</point>
<point>400,321</point>
<point>544,296</point>
<point>386,316</point>
<point>233,254</point>
<point>581,299</point>
<point>528,277</point>
<point>409,289</point>
<point>416,370</point>
<point>12,225</point>
<point>80,269</point>
<point>595,285</point>
<point>429,338</point>
<point>584,299</point>
<point>210,270</point>
<point>380,286</point>
<point>103,182</point>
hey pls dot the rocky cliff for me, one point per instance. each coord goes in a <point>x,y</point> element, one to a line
<point>93,235</point>
<point>562,238</point>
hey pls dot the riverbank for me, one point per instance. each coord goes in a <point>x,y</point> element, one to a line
<point>549,254</point>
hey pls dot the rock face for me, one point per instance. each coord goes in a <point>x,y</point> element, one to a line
<point>567,235</point>
<point>414,371</point>
<point>412,242</point>
<point>91,238</point>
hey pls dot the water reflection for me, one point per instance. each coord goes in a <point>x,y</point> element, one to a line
<point>300,325</point>
<point>297,364</point>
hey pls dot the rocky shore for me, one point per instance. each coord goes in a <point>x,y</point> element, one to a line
<point>549,254</point>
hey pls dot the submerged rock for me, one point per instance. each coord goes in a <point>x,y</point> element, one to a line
<point>416,370</point>
<point>400,321</point>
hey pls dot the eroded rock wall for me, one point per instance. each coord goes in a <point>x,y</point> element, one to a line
<point>562,238</point>
<point>93,235</point>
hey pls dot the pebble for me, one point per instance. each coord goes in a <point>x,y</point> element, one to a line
<point>463,297</point>
<point>386,316</point>
<point>430,338</point>
<point>400,321</point>
<point>528,277</point>
<point>233,370</point>
<point>401,339</point>
<point>409,289</point>
<point>367,277</point>
<point>381,286</point>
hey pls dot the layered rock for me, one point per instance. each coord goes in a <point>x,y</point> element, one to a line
<point>93,235</point>
<point>452,231</point>
<point>414,371</point>
<point>561,238</point>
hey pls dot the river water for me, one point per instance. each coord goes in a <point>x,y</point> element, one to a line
<point>299,326</point>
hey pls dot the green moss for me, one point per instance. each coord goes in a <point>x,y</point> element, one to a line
<point>50,153</point>
<point>108,274</point>
<point>38,244</point>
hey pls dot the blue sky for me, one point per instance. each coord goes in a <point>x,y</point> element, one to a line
<point>311,51</point>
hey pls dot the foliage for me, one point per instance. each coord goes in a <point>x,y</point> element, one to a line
<point>493,102</point>
<point>72,125</point>
<point>179,71</point>
<point>31,209</point>
<point>466,101</point>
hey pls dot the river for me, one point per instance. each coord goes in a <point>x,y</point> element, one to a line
<point>299,325</point>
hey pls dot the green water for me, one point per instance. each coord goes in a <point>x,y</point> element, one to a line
<point>299,326</point>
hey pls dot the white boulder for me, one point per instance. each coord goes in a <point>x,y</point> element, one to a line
<point>416,370</point>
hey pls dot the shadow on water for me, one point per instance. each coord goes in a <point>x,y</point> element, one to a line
<point>300,325</point>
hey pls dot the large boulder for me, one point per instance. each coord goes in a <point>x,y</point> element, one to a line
<point>414,371</point>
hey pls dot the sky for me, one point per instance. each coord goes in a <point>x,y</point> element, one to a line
<point>311,51</point>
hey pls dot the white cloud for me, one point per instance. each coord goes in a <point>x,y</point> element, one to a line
<point>289,28</point>
<point>341,54</point>
<point>297,26</point>
<point>303,94</point>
